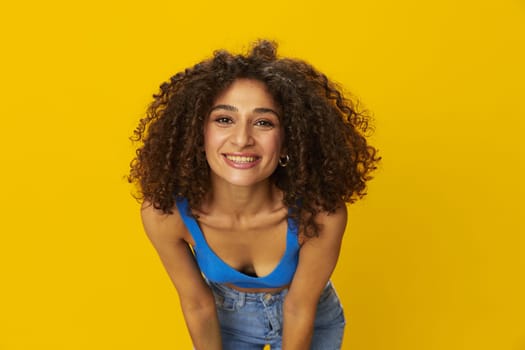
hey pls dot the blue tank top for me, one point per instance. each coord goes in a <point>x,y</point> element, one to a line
<point>216,270</point>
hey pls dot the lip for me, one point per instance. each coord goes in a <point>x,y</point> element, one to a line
<point>243,165</point>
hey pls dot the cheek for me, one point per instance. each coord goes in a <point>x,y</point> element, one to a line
<point>275,145</point>
<point>279,141</point>
<point>210,139</point>
<point>214,142</point>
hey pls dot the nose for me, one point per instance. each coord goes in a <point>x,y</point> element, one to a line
<point>242,135</point>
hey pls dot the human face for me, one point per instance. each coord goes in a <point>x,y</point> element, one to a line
<point>243,135</point>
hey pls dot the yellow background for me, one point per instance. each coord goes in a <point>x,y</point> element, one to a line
<point>433,258</point>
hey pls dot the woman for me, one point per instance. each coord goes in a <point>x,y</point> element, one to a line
<point>244,169</point>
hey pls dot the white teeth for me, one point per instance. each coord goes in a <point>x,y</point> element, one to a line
<point>241,159</point>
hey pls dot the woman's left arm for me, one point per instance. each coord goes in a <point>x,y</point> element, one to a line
<point>317,259</point>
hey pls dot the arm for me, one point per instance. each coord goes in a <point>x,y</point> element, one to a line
<point>166,233</point>
<point>317,259</point>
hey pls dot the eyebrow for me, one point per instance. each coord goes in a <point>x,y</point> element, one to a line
<point>259,110</point>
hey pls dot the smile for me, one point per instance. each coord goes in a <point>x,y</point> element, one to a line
<point>241,159</point>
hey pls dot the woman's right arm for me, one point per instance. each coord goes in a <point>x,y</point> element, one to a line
<point>166,233</point>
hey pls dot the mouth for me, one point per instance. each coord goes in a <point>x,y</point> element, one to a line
<point>241,161</point>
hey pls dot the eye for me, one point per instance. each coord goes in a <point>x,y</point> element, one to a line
<point>223,120</point>
<point>265,123</point>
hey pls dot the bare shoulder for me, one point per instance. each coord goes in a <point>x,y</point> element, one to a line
<point>162,227</point>
<point>331,225</point>
<point>168,235</point>
<point>333,221</point>
<point>317,259</point>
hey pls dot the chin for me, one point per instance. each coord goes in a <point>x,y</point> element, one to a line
<point>246,181</point>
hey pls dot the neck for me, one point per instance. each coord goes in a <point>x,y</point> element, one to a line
<point>243,201</point>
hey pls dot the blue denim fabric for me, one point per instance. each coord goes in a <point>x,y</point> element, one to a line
<point>251,320</point>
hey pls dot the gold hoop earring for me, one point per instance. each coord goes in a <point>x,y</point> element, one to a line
<point>283,161</point>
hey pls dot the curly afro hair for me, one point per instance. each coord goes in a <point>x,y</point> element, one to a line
<point>330,159</point>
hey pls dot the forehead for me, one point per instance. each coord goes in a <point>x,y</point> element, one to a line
<point>246,92</point>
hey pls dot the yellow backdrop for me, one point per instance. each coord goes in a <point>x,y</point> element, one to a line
<point>433,258</point>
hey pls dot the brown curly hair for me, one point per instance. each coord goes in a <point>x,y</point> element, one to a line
<point>330,159</point>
